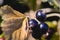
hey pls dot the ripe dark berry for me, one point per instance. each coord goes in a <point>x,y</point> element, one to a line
<point>40,16</point>
<point>43,28</point>
<point>32,23</point>
<point>36,32</point>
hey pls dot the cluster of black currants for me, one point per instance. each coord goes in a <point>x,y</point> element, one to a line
<point>38,29</point>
